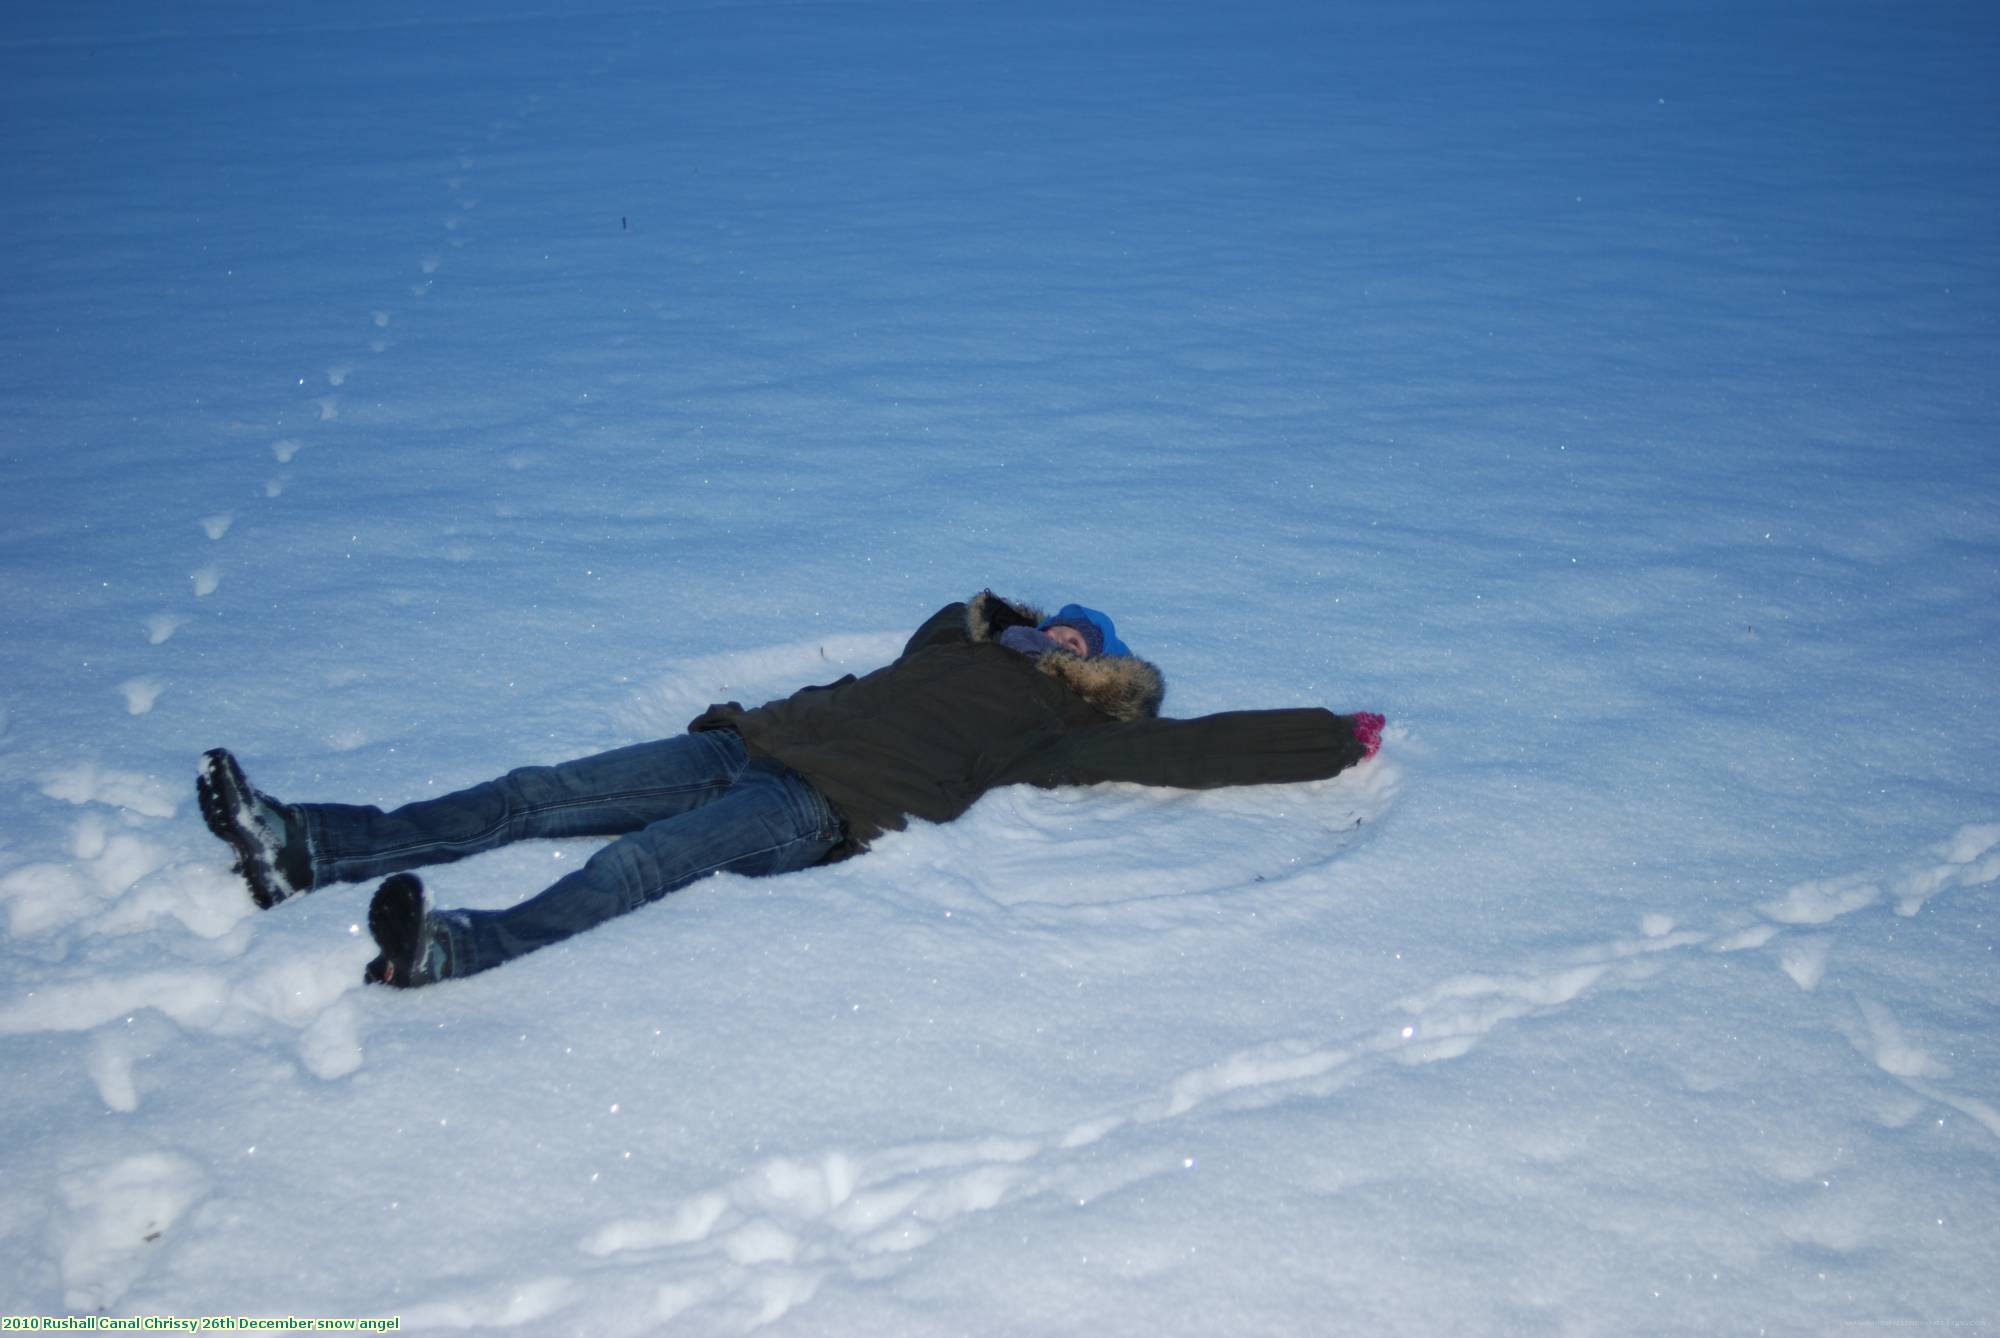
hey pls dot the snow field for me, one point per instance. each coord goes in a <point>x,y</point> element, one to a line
<point>397,398</point>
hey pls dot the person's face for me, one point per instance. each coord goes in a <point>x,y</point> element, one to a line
<point>1070,640</point>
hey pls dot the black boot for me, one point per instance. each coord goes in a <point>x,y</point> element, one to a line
<point>269,842</point>
<point>414,950</point>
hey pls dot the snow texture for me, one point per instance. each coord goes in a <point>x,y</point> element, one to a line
<point>1604,392</point>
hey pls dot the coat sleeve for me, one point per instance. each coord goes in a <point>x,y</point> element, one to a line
<point>720,715</point>
<point>942,628</point>
<point>1232,748</point>
<point>724,715</point>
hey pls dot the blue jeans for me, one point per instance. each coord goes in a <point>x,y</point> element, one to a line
<point>682,808</point>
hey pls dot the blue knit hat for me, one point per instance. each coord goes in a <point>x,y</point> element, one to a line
<point>1096,629</point>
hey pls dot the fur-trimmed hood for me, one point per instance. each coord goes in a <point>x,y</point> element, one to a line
<point>1124,687</point>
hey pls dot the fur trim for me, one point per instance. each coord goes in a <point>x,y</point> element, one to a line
<point>1124,687</point>
<point>981,611</point>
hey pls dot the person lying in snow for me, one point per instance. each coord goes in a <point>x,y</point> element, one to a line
<point>987,693</point>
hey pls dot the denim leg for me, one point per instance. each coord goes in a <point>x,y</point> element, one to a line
<point>770,821</point>
<point>609,794</point>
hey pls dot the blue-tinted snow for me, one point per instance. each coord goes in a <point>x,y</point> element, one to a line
<point>1604,391</point>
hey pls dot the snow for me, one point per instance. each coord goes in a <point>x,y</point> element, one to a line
<point>1604,392</point>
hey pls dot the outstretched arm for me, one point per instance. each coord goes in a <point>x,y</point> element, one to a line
<point>986,611</point>
<point>946,626</point>
<point>1231,748</point>
<point>942,628</point>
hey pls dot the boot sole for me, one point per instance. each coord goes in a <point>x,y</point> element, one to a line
<point>222,791</point>
<point>396,920</point>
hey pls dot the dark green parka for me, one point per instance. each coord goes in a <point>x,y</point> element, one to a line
<point>957,714</point>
